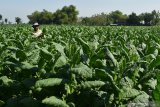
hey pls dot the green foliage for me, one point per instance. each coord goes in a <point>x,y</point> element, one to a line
<point>108,66</point>
<point>48,82</point>
<point>55,102</point>
<point>17,20</point>
<point>1,103</point>
<point>156,92</point>
<point>118,18</point>
<point>67,15</point>
<point>133,19</point>
<point>91,84</point>
<point>83,71</point>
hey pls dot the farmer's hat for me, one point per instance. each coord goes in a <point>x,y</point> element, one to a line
<point>35,24</point>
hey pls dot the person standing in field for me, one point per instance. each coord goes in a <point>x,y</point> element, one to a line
<point>37,32</point>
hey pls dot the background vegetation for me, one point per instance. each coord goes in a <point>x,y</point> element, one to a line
<point>69,15</point>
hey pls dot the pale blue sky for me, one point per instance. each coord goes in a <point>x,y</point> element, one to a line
<point>21,8</point>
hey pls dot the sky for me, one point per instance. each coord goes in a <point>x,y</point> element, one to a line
<point>21,8</point>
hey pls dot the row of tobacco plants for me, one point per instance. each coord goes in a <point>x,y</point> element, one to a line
<point>79,66</point>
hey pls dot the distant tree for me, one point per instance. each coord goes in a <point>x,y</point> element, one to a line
<point>46,17</point>
<point>71,13</point>
<point>18,20</point>
<point>148,17</point>
<point>34,17</point>
<point>118,17</point>
<point>133,19</point>
<point>0,17</point>
<point>67,15</point>
<point>60,17</point>
<point>6,20</point>
<point>85,21</point>
<point>156,17</point>
<point>98,19</point>
<point>152,18</point>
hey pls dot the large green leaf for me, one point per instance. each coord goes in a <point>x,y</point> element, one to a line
<point>85,46</point>
<point>156,92</point>
<point>92,84</point>
<point>48,82</point>
<point>59,48</point>
<point>54,101</point>
<point>28,66</point>
<point>111,57</point>
<point>60,61</point>
<point>142,100</point>
<point>83,71</point>
<point>126,82</point>
<point>101,74</point>
<point>4,80</point>
<point>151,83</point>
<point>45,54</point>
<point>21,55</point>
<point>155,63</point>
<point>128,93</point>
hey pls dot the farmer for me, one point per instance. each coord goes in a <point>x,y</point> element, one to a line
<point>37,32</point>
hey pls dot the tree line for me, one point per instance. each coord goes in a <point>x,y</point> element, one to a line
<point>119,18</point>
<point>69,15</point>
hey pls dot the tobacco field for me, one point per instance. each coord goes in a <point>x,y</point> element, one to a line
<point>80,66</point>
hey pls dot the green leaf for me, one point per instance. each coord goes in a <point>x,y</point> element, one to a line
<point>59,48</point>
<point>142,99</point>
<point>4,80</point>
<point>33,56</point>
<point>98,63</point>
<point>111,57</point>
<point>85,46</point>
<point>82,70</point>
<point>1,103</point>
<point>60,61</point>
<point>156,92</point>
<point>48,82</point>
<point>29,102</point>
<point>28,66</point>
<point>155,63</point>
<point>53,101</point>
<point>105,76</point>
<point>12,102</point>
<point>126,82</point>
<point>11,48</point>
<point>41,62</point>
<point>45,54</point>
<point>29,82</point>
<point>92,84</point>
<point>133,53</point>
<point>19,44</point>
<point>127,93</point>
<point>101,74</point>
<point>151,83</point>
<point>21,55</point>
